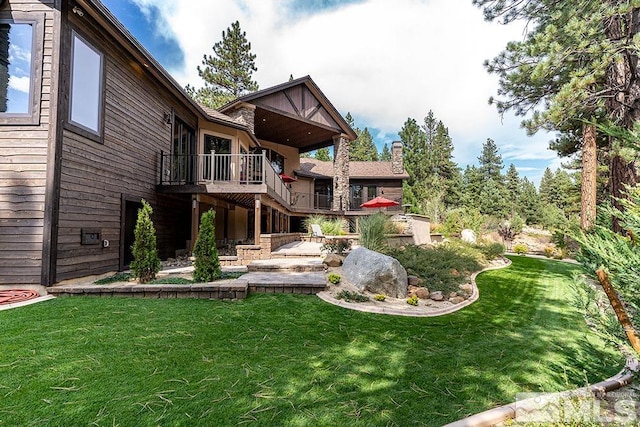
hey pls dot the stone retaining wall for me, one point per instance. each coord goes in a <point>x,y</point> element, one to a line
<point>268,244</point>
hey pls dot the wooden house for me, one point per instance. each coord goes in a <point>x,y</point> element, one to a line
<point>90,124</point>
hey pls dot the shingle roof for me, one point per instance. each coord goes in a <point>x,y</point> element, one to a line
<point>314,168</point>
<point>215,114</point>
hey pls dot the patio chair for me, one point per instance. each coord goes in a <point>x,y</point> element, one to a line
<point>316,232</point>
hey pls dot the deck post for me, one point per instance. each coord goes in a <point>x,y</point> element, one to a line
<point>257,218</point>
<point>195,221</point>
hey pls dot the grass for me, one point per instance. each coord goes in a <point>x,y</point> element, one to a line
<point>293,360</point>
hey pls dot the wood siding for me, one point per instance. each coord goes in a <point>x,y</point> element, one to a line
<point>24,166</point>
<point>95,176</point>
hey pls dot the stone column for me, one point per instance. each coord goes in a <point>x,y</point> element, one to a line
<point>340,173</point>
<point>245,114</point>
<point>397,165</point>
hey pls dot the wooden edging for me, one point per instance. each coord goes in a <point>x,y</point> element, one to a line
<point>410,311</point>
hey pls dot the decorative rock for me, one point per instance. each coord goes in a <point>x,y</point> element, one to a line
<point>422,293</point>
<point>375,272</point>
<point>468,236</point>
<point>453,294</point>
<point>414,281</point>
<point>333,260</point>
<point>436,296</point>
<point>456,300</point>
<point>466,288</point>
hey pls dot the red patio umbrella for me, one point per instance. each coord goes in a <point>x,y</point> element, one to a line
<point>287,178</point>
<point>379,202</point>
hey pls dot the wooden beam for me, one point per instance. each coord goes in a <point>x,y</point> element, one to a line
<point>195,220</point>
<point>292,104</point>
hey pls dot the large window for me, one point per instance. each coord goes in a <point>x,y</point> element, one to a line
<point>20,59</point>
<point>85,109</point>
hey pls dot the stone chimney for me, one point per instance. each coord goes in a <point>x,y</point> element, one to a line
<point>340,173</point>
<point>397,165</point>
<point>245,114</point>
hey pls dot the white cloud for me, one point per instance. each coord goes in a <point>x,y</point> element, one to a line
<point>382,61</point>
<point>21,84</point>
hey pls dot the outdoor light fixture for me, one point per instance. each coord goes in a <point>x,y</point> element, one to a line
<point>167,118</point>
<point>78,11</point>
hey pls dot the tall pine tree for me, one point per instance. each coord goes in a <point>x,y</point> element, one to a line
<point>228,72</point>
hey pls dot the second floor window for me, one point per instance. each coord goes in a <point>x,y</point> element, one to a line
<point>85,110</point>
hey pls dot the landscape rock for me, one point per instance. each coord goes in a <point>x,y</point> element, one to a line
<point>414,281</point>
<point>375,272</point>
<point>333,260</point>
<point>466,288</point>
<point>456,300</point>
<point>436,296</point>
<point>468,236</point>
<point>422,293</point>
<point>453,294</point>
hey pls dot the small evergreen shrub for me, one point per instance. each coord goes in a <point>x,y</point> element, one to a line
<point>380,297</point>
<point>520,249</point>
<point>118,277</point>
<point>145,264</point>
<point>491,250</point>
<point>207,264</point>
<point>352,296</point>
<point>334,278</point>
<point>413,300</point>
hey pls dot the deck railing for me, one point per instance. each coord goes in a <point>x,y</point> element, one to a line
<point>311,201</point>
<point>181,169</point>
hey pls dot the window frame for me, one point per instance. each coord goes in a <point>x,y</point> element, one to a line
<point>32,117</point>
<point>79,128</point>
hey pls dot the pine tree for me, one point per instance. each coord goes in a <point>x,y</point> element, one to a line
<point>362,148</point>
<point>145,264</point>
<point>492,199</point>
<point>490,162</point>
<point>513,187</point>
<point>228,72</point>
<point>323,154</point>
<point>472,183</point>
<point>578,65</point>
<point>385,156</point>
<point>205,251</point>
<point>529,205</point>
<point>546,186</point>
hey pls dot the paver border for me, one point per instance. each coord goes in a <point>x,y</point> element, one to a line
<point>475,295</point>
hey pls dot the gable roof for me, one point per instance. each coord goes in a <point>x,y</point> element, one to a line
<point>295,113</point>
<point>314,168</point>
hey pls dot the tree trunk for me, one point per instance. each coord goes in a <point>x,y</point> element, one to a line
<point>623,104</point>
<point>589,177</point>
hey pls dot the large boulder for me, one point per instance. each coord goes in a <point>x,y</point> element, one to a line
<point>375,272</point>
<point>468,236</point>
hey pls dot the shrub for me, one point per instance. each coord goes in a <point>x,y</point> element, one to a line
<point>372,230</point>
<point>461,218</point>
<point>352,296</point>
<point>145,264</point>
<point>380,297</point>
<point>207,264</point>
<point>491,250</point>
<point>438,263</point>
<point>334,278</point>
<point>413,300</point>
<point>118,277</point>
<point>520,249</point>
<point>336,246</point>
<point>329,226</point>
<point>548,251</point>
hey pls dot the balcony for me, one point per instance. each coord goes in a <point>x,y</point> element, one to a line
<point>323,202</point>
<point>223,173</point>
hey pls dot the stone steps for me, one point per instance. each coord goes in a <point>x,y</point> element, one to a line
<point>286,265</point>
<point>293,282</point>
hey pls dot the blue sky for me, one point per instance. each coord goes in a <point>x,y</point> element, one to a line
<point>381,61</point>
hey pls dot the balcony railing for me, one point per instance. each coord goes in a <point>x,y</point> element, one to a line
<point>324,202</point>
<point>221,169</point>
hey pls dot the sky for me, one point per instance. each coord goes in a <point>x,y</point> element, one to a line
<point>383,61</point>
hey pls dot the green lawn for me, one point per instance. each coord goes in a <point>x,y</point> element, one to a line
<point>285,360</point>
